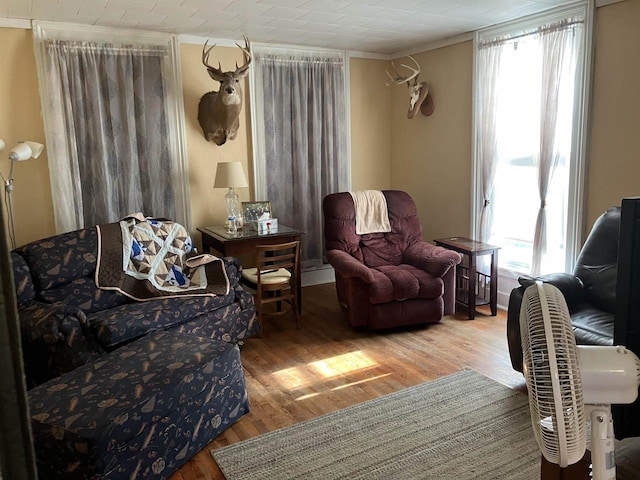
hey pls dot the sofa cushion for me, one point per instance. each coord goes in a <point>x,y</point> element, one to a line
<point>404,282</point>
<point>139,412</point>
<point>592,326</point>
<point>60,259</point>
<point>25,291</point>
<point>122,324</point>
<point>83,293</point>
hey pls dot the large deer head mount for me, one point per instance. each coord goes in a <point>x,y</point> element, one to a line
<point>219,112</point>
<point>419,98</point>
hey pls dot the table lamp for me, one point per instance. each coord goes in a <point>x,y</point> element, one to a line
<point>231,175</point>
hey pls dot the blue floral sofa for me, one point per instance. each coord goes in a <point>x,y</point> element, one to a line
<point>67,321</point>
<point>120,388</point>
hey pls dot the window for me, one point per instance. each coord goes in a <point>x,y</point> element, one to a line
<point>112,107</point>
<point>300,138</point>
<point>531,82</point>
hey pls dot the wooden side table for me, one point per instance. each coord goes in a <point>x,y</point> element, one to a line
<point>471,285</point>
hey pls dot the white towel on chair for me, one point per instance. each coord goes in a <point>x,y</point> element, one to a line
<point>371,212</point>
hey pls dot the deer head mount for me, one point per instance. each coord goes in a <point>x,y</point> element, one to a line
<point>219,112</point>
<point>419,98</point>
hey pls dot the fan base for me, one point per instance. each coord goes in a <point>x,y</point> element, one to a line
<point>578,471</point>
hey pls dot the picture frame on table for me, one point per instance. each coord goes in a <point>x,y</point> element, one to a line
<point>252,212</point>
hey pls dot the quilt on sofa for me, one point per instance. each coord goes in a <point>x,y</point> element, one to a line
<point>145,258</point>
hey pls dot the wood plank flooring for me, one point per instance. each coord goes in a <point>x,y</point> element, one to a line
<point>293,375</point>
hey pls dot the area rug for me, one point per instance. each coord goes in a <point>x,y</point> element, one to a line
<point>462,426</point>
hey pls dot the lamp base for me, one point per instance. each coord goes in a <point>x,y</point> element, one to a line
<point>232,202</point>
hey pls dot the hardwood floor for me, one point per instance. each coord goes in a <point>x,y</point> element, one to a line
<point>293,375</point>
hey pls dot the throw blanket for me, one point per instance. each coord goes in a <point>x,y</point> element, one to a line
<point>371,212</point>
<point>145,258</point>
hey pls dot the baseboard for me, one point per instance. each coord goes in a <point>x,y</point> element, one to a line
<point>318,276</point>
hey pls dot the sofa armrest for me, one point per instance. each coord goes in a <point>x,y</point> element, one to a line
<point>435,260</point>
<point>233,268</point>
<point>55,339</point>
<point>349,267</point>
<point>569,285</point>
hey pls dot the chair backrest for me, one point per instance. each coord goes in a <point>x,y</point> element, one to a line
<point>597,264</point>
<point>375,249</point>
<point>270,258</point>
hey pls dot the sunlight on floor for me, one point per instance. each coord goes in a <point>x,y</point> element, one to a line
<point>341,364</point>
<point>351,384</point>
<point>346,385</point>
<point>314,372</point>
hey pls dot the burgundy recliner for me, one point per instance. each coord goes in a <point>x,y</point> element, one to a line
<point>390,279</point>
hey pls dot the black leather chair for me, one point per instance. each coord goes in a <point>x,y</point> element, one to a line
<point>590,291</point>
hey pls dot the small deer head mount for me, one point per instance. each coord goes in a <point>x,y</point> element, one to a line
<point>419,98</point>
<point>219,112</point>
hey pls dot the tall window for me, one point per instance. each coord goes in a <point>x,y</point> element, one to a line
<point>529,117</point>
<point>301,127</point>
<point>113,125</point>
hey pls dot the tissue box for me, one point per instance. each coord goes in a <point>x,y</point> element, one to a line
<point>267,226</point>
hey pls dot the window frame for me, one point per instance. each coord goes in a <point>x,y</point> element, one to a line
<point>578,167</point>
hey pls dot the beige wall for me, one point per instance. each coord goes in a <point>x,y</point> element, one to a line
<point>432,155</point>
<point>614,153</point>
<point>370,122</point>
<point>20,119</point>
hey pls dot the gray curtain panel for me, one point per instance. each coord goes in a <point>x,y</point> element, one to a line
<point>116,128</point>
<point>305,141</point>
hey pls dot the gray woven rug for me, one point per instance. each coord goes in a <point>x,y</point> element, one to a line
<point>459,427</point>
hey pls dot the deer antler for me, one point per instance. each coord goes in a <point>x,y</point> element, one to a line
<point>398,79</point>
<point>247,56</point>
<point>205,60</point>
<point>217,73</point>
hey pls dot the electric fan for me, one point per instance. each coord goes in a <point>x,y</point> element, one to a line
<point>571,388</point>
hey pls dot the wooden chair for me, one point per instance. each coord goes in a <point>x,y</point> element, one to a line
<point>274,279</point>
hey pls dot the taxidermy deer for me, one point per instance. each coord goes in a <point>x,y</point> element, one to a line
<point>417,91</point>
<point>219,112</point>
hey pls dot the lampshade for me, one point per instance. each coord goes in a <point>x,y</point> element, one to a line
<point>25,151</point>
<point>230,174</point>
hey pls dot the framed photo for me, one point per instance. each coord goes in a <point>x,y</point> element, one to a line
<point>254,211</point>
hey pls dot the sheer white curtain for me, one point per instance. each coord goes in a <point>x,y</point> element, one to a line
<point>488,68</point>
<point>112,131</point>
<point>301,112</point>
<point>559,50</point>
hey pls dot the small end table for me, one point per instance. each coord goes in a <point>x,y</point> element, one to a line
<point>471,285</point>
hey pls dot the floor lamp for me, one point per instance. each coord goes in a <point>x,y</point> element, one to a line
<point>22,151</point>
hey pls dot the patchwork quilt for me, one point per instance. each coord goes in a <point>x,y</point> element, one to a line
<point>147,258</point>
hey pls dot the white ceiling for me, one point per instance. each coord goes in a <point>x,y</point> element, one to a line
<point>374,26</point>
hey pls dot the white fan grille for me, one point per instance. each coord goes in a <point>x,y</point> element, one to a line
<point>552,372</point>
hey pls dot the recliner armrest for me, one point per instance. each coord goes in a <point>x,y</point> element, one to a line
<point>348,266</point>
<point>435,260</point>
